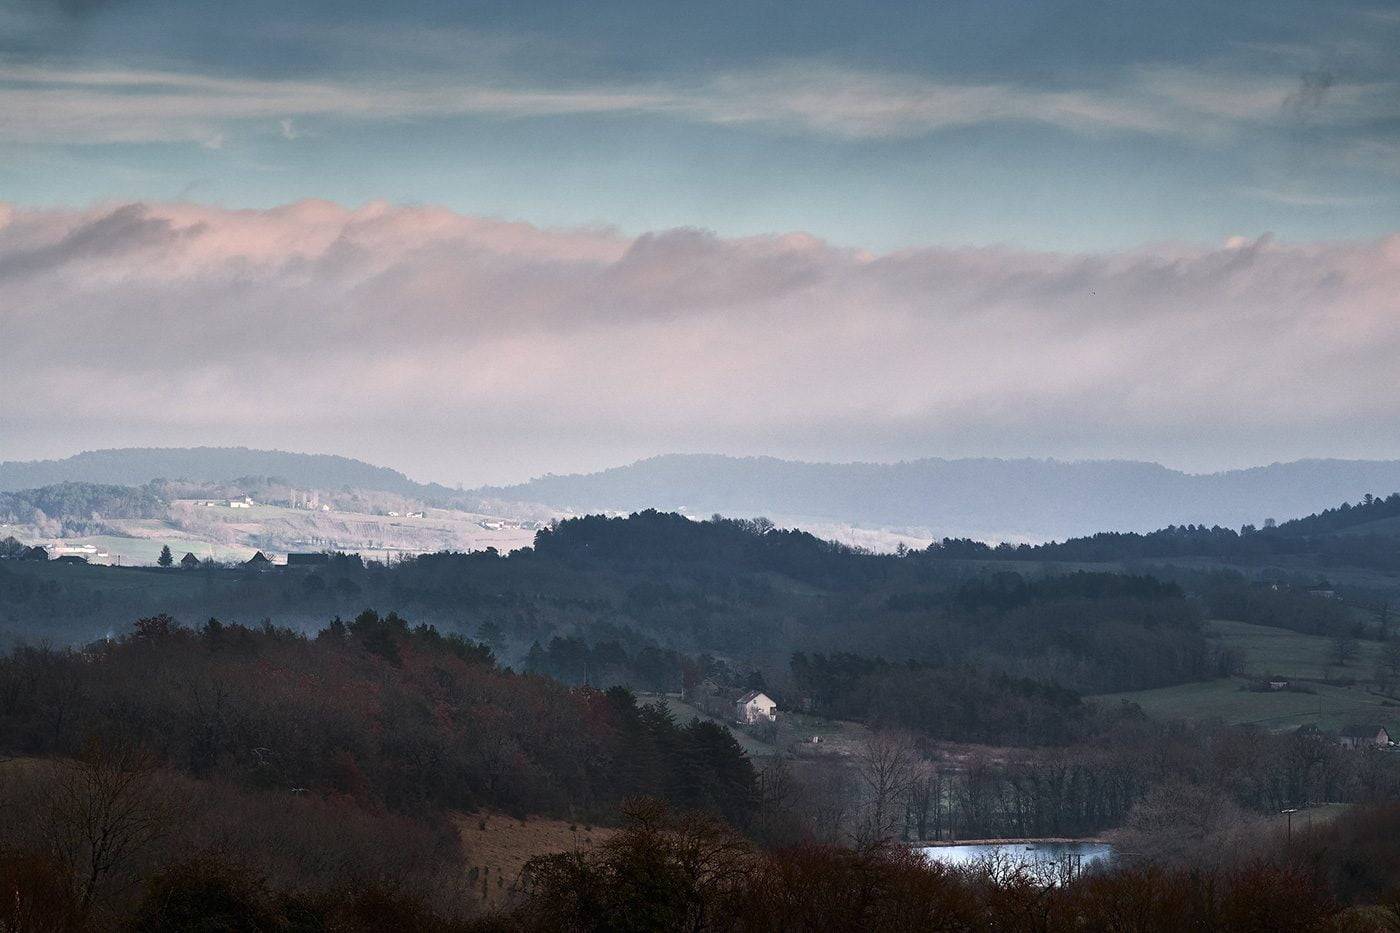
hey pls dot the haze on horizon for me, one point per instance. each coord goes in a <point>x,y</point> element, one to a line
<point>481,244</point>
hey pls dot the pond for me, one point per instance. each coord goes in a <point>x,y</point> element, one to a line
<point>1050,860</point>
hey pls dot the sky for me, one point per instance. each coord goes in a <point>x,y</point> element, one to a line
<point>483,241</point>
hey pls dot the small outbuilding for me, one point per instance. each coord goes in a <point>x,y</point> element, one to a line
<point>189,561</point>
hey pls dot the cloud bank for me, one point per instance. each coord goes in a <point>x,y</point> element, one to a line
<point>474,348</point>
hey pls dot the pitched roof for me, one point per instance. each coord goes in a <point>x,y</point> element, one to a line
<point>1363,730</point>
<point>753,695</point>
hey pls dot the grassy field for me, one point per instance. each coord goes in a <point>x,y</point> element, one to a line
<point>684,713</point>
<point>1304,660</point>
<point>233,535</point>
<point>1272,651</point>
<point>497,847</point>
<point>151,582</point>
<point>132,552</point>
<point>1231,701</point>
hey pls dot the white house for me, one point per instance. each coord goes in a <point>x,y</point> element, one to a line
<point>756,707</point>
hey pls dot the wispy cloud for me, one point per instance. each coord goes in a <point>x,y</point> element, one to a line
<point>44,104</point>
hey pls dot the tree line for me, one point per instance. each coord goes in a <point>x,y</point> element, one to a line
<point>391,715</point>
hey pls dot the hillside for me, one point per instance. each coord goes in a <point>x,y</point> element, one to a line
<point>134,466</point>
<point>232,520</point>
<point>617,599</point>
<point>1321,691</point>
<point>877,503</point>
<point>980,498</point>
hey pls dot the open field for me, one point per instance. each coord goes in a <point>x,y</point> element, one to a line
<point>1270,651</point>
<point>684,713</point>
<point>1231,701</point>
<point>150,583</point>
<point>497,847</point>
<point>232,535</point>
<point>139,551</point>
<point>1304,660</point>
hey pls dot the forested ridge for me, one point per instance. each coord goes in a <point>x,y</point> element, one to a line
<point>740,591</point>
<point>388,714</point>
<point>82,501</point>
<point>1315,536</point>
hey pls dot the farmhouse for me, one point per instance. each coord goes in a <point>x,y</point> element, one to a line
<point>1364,735</point>
<point>189,561</point>
<point>258,561</point>
<point>756,706</point>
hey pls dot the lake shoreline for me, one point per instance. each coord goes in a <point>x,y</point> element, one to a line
<point>1029,840</point>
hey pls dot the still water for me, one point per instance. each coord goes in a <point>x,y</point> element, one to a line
<point>1043,859</point>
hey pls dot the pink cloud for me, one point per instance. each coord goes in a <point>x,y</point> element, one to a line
<point>199,323</point>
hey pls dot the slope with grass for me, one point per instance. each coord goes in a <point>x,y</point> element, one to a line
<point>1321,692</point>
<point>496,847</point>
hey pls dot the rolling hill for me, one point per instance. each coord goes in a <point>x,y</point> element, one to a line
<point>988,499</point>
<point>980,498</point>
<point>134,466</point>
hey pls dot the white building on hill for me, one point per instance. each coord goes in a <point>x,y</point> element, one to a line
<point>755,706</point>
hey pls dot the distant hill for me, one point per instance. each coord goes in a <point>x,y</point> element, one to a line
<point>984,498</point>
<point>1032,500</point>
<point>135,466</point>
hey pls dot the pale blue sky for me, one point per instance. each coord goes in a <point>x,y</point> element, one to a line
<point>881,125</point>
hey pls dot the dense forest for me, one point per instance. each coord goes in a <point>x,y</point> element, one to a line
<point>654,589</point>
<point>383,713</point>
<point>82,501</point>
<point>260,707</point>
<point>304,782</point>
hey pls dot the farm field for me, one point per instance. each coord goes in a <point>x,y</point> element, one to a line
<point>1302,659</point>
<point>497,846</point>
<point>137,551</point>
<point>1231,701</point>
<point>1270,651</point>
<point>233,535</point>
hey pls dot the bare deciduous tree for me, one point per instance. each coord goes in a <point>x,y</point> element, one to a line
<point>885,768</point>
<point>104,811</point>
